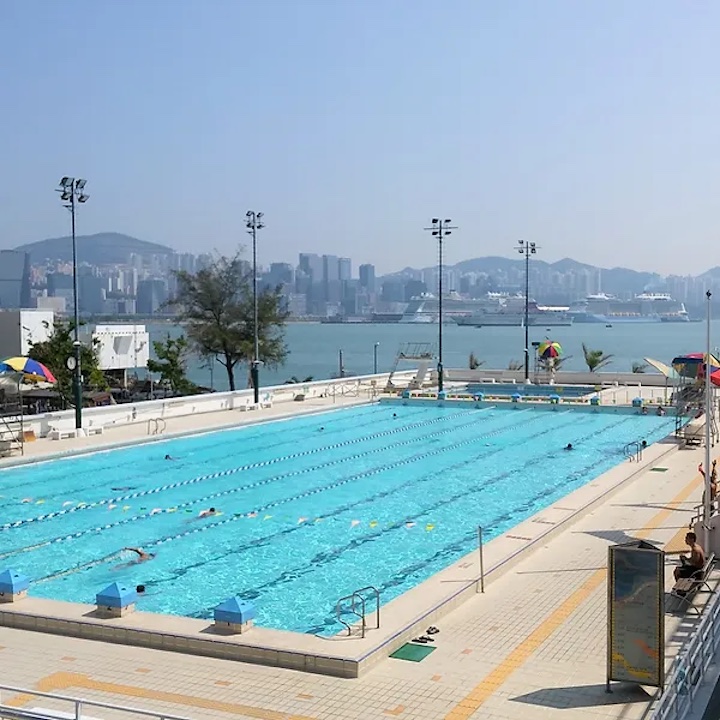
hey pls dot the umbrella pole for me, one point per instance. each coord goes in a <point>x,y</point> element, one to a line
<point>22,420</point>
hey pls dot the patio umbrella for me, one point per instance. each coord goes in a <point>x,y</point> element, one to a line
<point>549,349</point>
<point>32,369</point>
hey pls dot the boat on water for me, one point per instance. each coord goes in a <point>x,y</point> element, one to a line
<point>643,308</point>
<point>503,310</point>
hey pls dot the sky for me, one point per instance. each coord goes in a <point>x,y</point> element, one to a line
<point>589,127</point>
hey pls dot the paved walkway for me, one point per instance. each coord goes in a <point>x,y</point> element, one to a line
<point>533,646</point>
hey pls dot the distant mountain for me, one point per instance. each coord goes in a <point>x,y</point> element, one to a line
<point>100,249</point>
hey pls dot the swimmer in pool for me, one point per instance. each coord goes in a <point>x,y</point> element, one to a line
<point>142,556</point>
<point>169,457</point>
<point>207,513</point>
<point>569,446</point>
<point>123,489</point>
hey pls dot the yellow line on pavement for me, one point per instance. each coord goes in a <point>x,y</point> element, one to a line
<point>517,657</point>
<point>64,681</point>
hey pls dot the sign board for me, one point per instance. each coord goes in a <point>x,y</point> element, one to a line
<point>636,614</point>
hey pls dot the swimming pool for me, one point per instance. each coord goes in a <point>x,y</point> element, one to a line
<point>311,508</point>
<point>533,390</point>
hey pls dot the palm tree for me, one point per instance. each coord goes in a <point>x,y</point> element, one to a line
<point>638,367</point>
<point>295,380</point>
<point>473,362</point>
<point>595,359</point>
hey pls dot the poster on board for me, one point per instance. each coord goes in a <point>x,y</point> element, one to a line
<point>636,614</point>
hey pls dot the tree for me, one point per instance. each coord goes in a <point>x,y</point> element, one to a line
<point>595,359</point>
<point>515,365</point>
<point>295,380</point>
<point>216,303</point>
<point>172,364</point>
<point>473,362</point>
<point>54,353</point>
<point>638,367</point>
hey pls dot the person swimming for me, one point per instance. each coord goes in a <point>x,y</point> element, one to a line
<point>169,457</point>
<point>142,556</point>
<point>569,446</point>
<point>207,513</point>
<point>140,589</point>
<point>123,489</point>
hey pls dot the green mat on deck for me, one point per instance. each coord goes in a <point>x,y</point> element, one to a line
<point>412,652</point>
<point>658,469</point>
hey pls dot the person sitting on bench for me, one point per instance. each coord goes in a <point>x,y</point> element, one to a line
<point>690,565</point>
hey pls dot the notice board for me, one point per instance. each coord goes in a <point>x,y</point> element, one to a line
<point>636,614</point>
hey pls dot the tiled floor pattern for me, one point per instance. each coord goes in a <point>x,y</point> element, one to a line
<point>533,646</point>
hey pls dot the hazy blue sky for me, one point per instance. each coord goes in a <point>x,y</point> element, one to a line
<point>588,127</point>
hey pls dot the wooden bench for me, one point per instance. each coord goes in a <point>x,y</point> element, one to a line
<point>685,589</point>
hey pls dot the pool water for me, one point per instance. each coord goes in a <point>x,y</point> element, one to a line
<point>310,509</point>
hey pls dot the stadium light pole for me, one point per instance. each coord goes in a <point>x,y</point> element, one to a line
<point>253,224</point>
<point>72,192</point>
<point>375,358</point>
<point>527,249</point>
<point>440,229</point>
<point>707,499</point>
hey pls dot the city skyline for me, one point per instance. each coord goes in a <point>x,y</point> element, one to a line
<point>586,128</point>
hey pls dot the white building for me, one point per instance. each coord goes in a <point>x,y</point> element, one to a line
<point>20,329</point>
<point>121,347</point>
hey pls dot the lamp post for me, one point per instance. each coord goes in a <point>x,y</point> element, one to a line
<point>527,249</point>
<point>253,224</point>
<point>72,192</point>
<point>440,228</point>
<point>375,362</point>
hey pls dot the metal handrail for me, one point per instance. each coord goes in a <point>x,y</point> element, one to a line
<point>690,666</point>
<point>338,612</point>
<point>376,593</point>
<point>156,425</point>
<point>637,455</point>
<point>14,713</point>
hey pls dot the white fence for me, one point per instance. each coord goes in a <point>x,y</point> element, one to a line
<point>690,666</point>
<point>73,708</point>
<point>366,387</point>
<point>604,379</point>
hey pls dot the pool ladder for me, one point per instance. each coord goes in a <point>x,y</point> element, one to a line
<point>156,426</point>
<point>357,600</point>
<point>633,451</point>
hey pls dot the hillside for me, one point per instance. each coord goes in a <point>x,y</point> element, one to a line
<point>100,249</point>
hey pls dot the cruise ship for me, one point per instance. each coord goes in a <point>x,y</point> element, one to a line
<point>502,310</point>
<point>643,308</point>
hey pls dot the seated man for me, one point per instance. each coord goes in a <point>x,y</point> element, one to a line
<point>693,564</point>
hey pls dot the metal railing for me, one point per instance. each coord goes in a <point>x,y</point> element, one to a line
<point>356,598</point>
<point>634,451</point>
<point>690,666</point>
<point>75,710</point>
<point>156,426</point>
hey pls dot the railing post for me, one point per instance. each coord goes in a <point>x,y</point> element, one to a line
<point>78,710</point>
<point>482,565</point>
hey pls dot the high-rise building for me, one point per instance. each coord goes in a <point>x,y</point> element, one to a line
<point>151,296</point>
<point>367,277</point>
<point>331,279</point>
<point>345,269</point>
<point>14,279</point>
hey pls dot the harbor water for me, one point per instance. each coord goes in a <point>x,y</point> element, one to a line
<point>315,348</point>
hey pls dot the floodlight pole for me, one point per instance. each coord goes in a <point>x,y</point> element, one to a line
<point>707,501</point>
<point>72,192</point>
<point>440,228</point>
<point>254,223</point>
<point>527,249</point>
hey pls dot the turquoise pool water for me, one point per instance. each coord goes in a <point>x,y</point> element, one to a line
<point>311,508</point>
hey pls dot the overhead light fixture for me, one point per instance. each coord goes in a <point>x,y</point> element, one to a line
<point>80,184</point>
<point>66,181</point>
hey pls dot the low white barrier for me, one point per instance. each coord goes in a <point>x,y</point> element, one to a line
<point>365,386</point>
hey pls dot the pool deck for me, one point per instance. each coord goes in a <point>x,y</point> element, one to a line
<point>531,646</point>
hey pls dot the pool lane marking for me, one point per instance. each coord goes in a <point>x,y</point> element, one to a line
<point>234,471</point>
<point>65,681</point>
<point>240,516</point>
<point>522,652</point>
